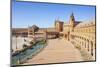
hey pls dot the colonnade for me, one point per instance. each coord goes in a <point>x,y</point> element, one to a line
<point>85,42</point>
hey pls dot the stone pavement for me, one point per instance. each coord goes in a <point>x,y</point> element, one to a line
<point>56,51</point>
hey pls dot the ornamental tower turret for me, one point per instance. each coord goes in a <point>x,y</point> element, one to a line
<point>72,22</point>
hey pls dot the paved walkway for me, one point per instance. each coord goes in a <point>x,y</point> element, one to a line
<point>57,50</point>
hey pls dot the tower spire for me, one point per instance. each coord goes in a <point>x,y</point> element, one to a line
<point>72,19</point>
<point>72,22</point>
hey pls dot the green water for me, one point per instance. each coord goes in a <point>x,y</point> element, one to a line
<point>27,54</point>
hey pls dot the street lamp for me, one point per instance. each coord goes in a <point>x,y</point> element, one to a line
<point>16,41</point>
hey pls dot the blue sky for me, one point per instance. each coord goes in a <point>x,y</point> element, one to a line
<point>44,14</point>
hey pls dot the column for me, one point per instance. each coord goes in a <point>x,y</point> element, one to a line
<point>88,45</point>
<point>91,48</point>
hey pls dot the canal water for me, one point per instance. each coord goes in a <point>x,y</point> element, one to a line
<point>27,54</point>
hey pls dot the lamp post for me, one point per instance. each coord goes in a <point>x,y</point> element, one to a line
<point>16,41</point>
<point>16,49</point>
<point>45,35</point>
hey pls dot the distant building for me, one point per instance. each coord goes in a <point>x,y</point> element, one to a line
<point>58,26</point>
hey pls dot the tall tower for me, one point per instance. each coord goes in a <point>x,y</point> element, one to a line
<point>72,22</point>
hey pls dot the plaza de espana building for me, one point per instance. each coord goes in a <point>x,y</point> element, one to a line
<point>79,33</point>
